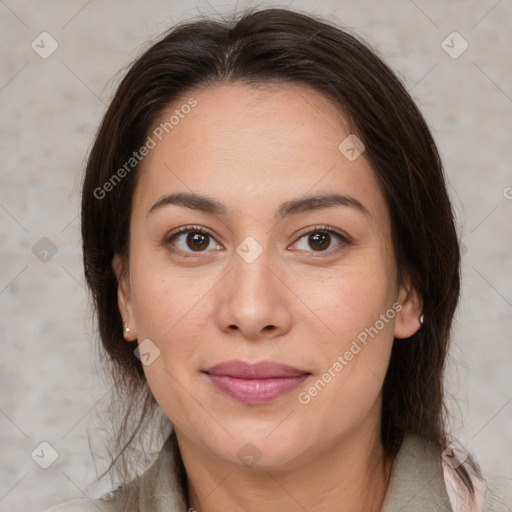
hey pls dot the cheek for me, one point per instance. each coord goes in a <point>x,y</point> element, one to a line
<point>162,295</point>
<point>169,311</point>
<point>173,308</point>
<point>358,313</point>
<point>350,300</point>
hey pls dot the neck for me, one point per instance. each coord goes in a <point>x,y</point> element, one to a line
<point>352,475</point>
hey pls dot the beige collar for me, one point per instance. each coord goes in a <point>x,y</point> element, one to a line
<point>416,483</point>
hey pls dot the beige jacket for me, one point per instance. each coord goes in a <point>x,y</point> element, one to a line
<point>420,482</point>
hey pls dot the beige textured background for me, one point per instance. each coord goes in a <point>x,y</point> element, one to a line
<point>51,108</point>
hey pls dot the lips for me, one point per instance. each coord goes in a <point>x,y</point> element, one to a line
<point>255,383</point>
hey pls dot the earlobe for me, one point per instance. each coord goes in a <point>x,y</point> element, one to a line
<point>408,318</point>
<point>123,298</point>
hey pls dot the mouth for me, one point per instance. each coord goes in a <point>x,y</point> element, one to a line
<point>257,383</point>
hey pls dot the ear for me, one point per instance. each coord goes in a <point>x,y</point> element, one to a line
<point>408,318</point>
<point>124,298</point>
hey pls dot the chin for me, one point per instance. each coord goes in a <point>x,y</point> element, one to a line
<point>261,447</point>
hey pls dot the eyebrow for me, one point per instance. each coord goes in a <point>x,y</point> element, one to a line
<point>305,204</point>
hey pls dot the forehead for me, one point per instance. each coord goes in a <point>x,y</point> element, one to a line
<point>248,145</point>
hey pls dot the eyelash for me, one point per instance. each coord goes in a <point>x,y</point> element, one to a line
<point>344,239</point>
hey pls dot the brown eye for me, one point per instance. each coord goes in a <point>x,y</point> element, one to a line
<point>197,241</point>
<point>190,239</point>
<point>321,239</point>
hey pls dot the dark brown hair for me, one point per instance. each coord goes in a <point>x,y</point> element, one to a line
<point>282,46</point>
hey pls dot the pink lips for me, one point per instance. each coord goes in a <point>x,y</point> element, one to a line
<point>255,383</point>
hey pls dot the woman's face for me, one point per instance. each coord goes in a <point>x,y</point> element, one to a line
<point>265,274</point>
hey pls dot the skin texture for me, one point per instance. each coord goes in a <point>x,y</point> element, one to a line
<point>253,148</point>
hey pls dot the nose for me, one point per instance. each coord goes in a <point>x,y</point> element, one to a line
<point>254,301</point>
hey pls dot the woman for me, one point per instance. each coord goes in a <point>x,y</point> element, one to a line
<point>273,259</point>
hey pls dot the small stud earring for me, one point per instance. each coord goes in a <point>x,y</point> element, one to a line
<point>126,328</point>
<point>421,319</point>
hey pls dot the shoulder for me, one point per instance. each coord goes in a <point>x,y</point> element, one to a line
<point>159,488</point>
<point>498,495</point>
<point>81,505</point>
<point>423,480</point>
